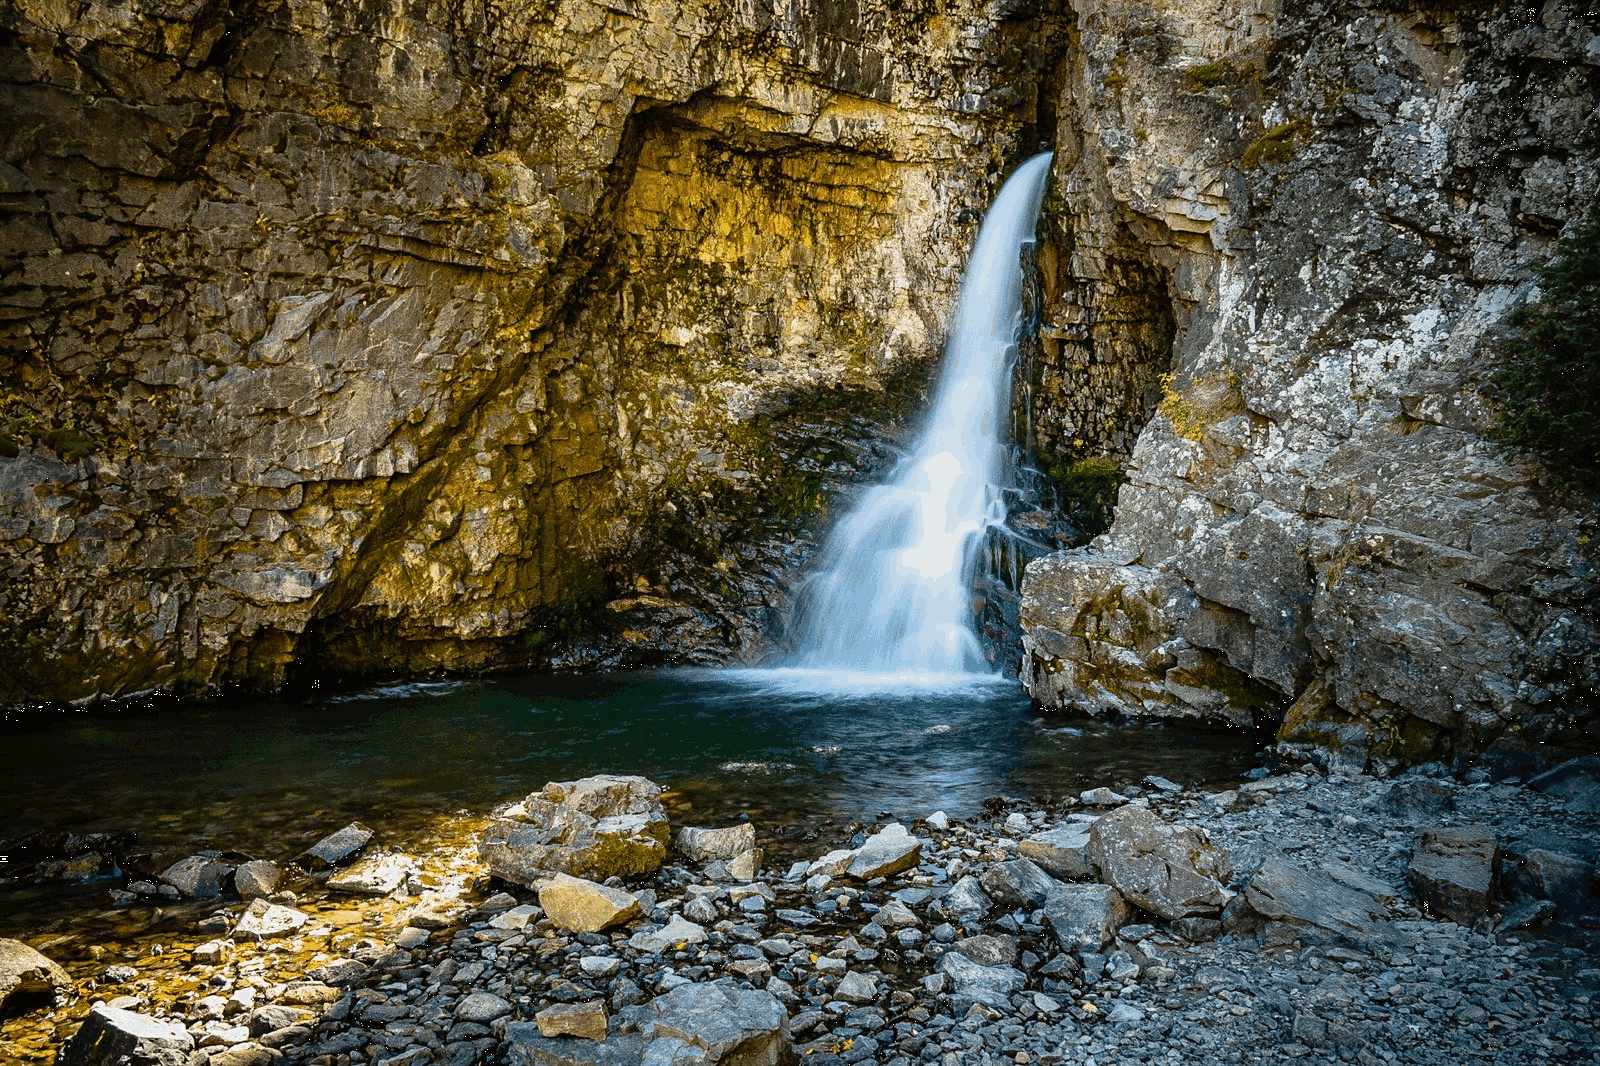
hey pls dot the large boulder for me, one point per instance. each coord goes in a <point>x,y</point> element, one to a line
<point>24,972</point>
<point>717,1023</point>
<point>1452,871</point>
<point>597,827</point>
<point>1318,908</point>
<point>113,1037</point>
<point>1171,871</point>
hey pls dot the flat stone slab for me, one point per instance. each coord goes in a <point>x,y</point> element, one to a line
<point>337,847</point>
<point>375,876</point>
<point>265,920</point>
<point>1319,908</point>
<point>111,1036</point>
<point>585,1020</point>
<point>678,931</point>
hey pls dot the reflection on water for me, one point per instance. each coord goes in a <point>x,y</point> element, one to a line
<point>266,777</point>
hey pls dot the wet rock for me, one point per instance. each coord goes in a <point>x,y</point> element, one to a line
<point>1577,781</point>
<point>265,921</point>
<point>1318,908</point>
<point>710,845</point>
<point>482,1007</point>
<point>583,906</point>
<point>990,985</point>
<point>1102,797</point>
<point>378,875</point>
<point>1018,883</point>
<point>212,952</point>
<point>113,1037</point>
<point>597,827</point>
<point>1061,852</point>
<point>1086,917</point>
<point>1530,913</point>
<point>717,1023</point>
<point>676,931</point>
<point>198,876</point>
<point>25,972</point>
<point>517,918</point>
<point>585,1020</point>
<point>337,847</point>
<point>1453,869</point>
<point>987,950</point>
<point>887,852</point>
<point>339,973</point>
<point>526,1046</point>
<point>1171,871</point>
<point>257,879</point>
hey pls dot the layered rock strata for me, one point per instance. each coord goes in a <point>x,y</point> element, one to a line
<point>1335,206</point>
<point>394,337</point>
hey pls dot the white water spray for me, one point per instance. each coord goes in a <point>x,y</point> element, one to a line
<point>893,593</point>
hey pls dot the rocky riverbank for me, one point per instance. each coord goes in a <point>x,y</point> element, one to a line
<point>1425,919</point>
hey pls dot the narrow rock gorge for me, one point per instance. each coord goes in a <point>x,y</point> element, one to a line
<point>432,336</point>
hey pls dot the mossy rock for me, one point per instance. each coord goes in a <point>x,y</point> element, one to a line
<point>1276,146</point>
<point>68,443</point>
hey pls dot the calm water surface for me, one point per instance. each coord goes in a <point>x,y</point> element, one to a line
<point>268,777</point>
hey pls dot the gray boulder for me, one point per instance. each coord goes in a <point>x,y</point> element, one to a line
<point>717,1023</point>
<point>1171,871</point>
<point>113,1037</point>
<point>1086,917</point>
<point>992,986</point>
<point>1315,906</point>
<point>1061,852</point>
<point>24,972</point>
<point>1452,871</point>
<point>597,827</point>
<point>986,950</point>
<point>1018,883</point>
<point>966,901</point>
<point>257,878</point>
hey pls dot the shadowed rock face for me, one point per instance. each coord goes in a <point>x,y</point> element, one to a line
<point>1315,535</point>
<point>382,338</point>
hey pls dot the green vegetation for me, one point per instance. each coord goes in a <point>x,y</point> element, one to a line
<point>1087,490</point>
<point>65,440</point>
<point>1549,387</point>
<point>1207,401</point>
<point>1203,76</point>
<point>1275,146</point>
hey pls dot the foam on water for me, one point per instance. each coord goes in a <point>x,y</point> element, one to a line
<point>891,601</point>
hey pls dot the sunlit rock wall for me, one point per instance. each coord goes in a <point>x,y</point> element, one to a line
<point>429,335</point>
<point>1337,203</point>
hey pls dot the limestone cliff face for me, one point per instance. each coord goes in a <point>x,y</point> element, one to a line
<point>1313,216</point>
<point>417,335</point>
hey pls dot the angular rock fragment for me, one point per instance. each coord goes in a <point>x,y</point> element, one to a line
<point>337,847</point>
<point>113,1037</point>
<point>966,901</point>
<point>257,878</point>
<point>1018,883</point>
<point>596,827</point>
<point>745,866</point>
<point>583,906</point>
<point>1062,852</point>
<point>718,1023</point>
<point>1577,781</point>
<point>1318,908</point>
<point>482,1007</point>
<point>264,920</point>
<point>992,986</point>
<point>710,845</point>
<point>339,973</point>
<point>1564,880</point>
<point>677,931</point>
<point>857,987</point>
<point>378,875</point>
<point>585,1020</point>
<point>25,972</point>
<point>1085,917</point>
<point>1172,871</point>
<point>1453,869</point>
<point>525,1046</point>
<point>987,950</point>
<point>887,852</point>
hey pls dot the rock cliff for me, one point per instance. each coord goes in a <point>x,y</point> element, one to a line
<point>1283,241</point>
<point>428,335</point>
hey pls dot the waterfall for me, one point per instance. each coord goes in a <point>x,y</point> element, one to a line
<point>893,590</point>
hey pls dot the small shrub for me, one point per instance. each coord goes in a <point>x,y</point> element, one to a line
<point>1275,146</point>
<point>1549,387</point>
<point>1203,76</point>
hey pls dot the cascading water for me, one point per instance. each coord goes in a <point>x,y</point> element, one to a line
<point>893,591</point>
